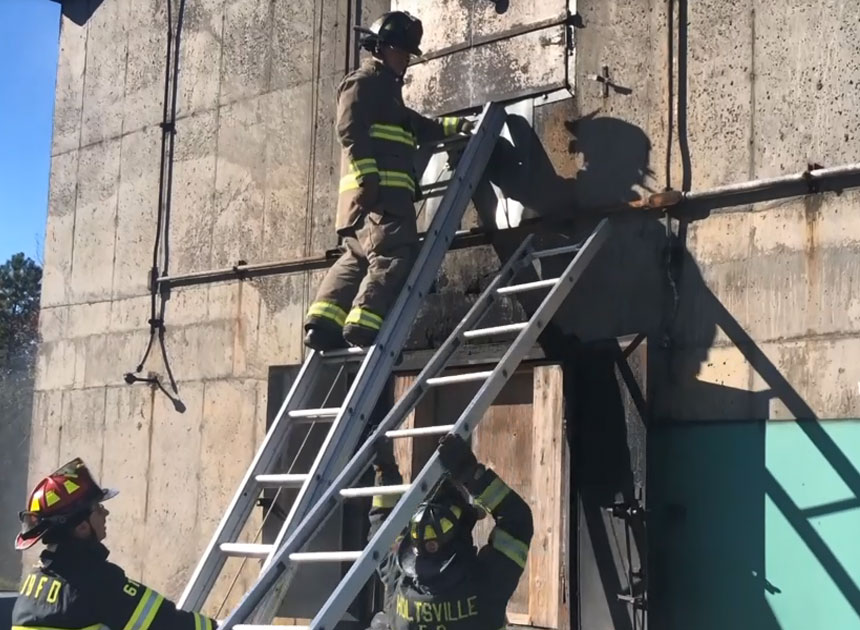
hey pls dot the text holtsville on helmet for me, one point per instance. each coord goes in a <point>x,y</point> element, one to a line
<point>61,500</point>
<point>397,28</point>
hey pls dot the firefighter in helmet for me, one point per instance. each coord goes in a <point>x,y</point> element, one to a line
<point>434,577</point>
<point>375,212</point>
<point>74,586</point>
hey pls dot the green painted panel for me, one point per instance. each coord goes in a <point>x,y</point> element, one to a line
<point>730,545</point>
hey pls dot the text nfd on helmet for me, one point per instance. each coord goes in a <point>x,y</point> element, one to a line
<point>62,499</point>
<point>396,28</point>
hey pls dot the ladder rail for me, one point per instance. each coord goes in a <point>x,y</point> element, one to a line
<point>235,517</point>
<point>279,569</point>
<point>372,376</point>
<point>361,570</point>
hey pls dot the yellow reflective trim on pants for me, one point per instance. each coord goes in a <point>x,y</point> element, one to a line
<point>385,500</point>
<point>328,310</point>
<point>363,317</point>
<point>510,547</point>
<point>388,179</point>
<point>449,125</point>
<point>145,612</point>
<point>393,133</point>
<point>493,495</point>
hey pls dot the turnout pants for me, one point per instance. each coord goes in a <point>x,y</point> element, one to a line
<point>366,280</point>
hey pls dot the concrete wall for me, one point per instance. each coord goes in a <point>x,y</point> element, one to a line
<point>766,322</point>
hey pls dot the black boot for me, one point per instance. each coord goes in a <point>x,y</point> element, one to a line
<point>359,336</point>
<point>321,337</point>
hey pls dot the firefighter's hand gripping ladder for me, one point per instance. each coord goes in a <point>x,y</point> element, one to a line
<point>349,419</point>
<point>286,558</point>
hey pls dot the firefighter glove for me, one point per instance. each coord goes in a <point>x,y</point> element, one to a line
<point>456,457</point>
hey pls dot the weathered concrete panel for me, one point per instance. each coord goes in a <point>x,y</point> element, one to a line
<point>95,221</point>
<point>531,63</point>
<point>137,211</point>
<point>88,319</point>
<point>806,67</point>
<point>83,427</point>
<point>129,314</point>
<point>200,57</point>
<point>192,214</point>
<point>285,220</point>
<point>173,492</point>
<point>53,322</point>
<point>104,83</point>
<point>55,366</point>
<point>291,45</point>
<point>282,310</point>
<point>246,331</point>
<point>822,372</point>
<point>70,87</point>
<point>201,352</point>
<point>106,357</point>
<point>240,183</point>
<point>60,229</point>
<point>247,57</point>
<point>493,18</point>
<point>126,463</point>
<point>715,141</point>
<point>326,171</point>
<point>144,74</point>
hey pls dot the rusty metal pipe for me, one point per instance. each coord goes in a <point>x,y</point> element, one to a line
<point>756,185</point>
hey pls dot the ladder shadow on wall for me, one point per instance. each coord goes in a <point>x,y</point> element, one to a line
<point>722,536</point>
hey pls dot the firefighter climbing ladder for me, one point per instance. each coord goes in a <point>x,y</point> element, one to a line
<point>286,558</point>
<point>349,418</point>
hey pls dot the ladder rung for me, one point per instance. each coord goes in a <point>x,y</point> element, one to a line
<point>495,330</point>
<point>527,286</point>
<point>326,412</point>
<point>325,556</point>
<point>245,626</point>
<point>441,429</point>
<point>247,550</point>
<point>344,353</point>
<point>459,378</point>
<point>556,251</point>
<point>374,491</point>
<point>281,481</point>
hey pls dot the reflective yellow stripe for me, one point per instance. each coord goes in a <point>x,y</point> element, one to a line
<point>328,310</point>
<point>145,612</point>
<point>385,500</point>
<point>449,125</point>
<point>392,133</point>
<point>365,318</point>
<point>202,622</point>
<point>364,166</point>
<point>493,495</point>
<point>389,179</point>
<point>509,546</point>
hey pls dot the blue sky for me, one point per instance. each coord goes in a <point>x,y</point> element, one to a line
<point>29,32</point>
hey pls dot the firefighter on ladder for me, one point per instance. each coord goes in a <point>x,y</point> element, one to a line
<point>74,587</point>
<point>375,212</point>
<point>434,577</point>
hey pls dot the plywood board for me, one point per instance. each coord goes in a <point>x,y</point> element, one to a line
<point>506,69</point>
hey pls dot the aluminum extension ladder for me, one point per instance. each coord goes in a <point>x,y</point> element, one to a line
<point>290,555</point>
<point>350,418</point>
